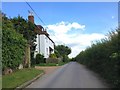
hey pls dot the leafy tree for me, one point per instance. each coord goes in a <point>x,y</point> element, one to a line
<point>57,53</point>
<point>63,51</point>
<point>73,59</point>
<point>26,28</point>
<point>66,58</point>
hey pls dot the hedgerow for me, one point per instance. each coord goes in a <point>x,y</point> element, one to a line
<point>104,58</point>
<point>13,45</point>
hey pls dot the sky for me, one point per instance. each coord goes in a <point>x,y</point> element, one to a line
<point>74,24</point>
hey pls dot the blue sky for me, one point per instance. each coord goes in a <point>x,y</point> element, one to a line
<point>88,19</point>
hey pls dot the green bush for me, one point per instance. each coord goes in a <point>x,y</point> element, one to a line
<point>104,58</point>
<point>53,55</point>
<point>39,58</point>
<point>66,58</point>
<point>47,64</point>
<point>26,28</point>
<point>13,45</point>
<point>52,60</point>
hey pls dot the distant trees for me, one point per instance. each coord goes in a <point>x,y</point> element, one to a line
<point>64,51</point>
<point>104,57</point>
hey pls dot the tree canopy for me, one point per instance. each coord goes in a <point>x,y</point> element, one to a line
<point>62,50</point>
<point>26,28</point>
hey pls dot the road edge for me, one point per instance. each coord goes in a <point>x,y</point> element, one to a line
<point>29,82</point>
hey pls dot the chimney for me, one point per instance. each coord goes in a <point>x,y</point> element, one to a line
<point>31,17</point>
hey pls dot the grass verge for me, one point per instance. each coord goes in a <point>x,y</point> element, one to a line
<point>51,64</point>
<point>19,77</point>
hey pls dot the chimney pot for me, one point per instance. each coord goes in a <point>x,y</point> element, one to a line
<point>31,17</point>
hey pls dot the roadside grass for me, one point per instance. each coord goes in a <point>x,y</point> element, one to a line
<point>19,77</point>
<point>62,63</point>
<point>51,64</point>
<point>46,64</point>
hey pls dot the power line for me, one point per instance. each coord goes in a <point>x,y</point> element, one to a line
<point>39,17</point>
<point>35,13</point>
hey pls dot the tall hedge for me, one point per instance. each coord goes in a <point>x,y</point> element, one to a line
<point>26,28</point>
<point>104,58</point>
<point>13,45</point>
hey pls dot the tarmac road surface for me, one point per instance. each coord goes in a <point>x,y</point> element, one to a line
<point>71,75</point>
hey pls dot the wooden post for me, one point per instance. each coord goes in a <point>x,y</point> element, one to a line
<point>27,62</point>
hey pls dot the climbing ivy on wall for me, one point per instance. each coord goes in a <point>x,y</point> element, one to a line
<point>13,45</point>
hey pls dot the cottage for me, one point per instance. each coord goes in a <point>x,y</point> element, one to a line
<point>45,44</point>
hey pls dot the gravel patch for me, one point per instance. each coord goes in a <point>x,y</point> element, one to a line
<point>47,69</point>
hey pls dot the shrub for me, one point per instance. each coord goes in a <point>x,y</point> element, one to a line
<point>39,58</point>
<point>52,60</point>
<point>103,58</point>
<point>65,58</point>
<point>13,46</point>
<point>53,55</point>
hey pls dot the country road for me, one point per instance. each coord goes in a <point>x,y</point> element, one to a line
<point>71,75</point>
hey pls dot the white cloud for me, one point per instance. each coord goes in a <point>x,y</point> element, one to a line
<point>76,41</point>
<point>64,27</point>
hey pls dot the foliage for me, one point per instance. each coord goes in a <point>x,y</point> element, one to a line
<point>52,60</point>
<point>0,41</point>
<point>73,59</point>
<point>103,57</point>
<point>51,64</point>
<point>26,28</point>
<point>39,59</point>
<point>66,58</point>
<point>19,77</point>
<point>53,55</point>
<point>62,63</point>
<point>57,53</point>
<point>62,51</point>
<point>13,45</point>
<point>47,64</point>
